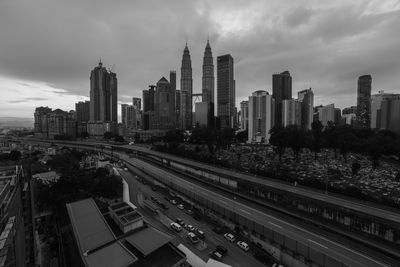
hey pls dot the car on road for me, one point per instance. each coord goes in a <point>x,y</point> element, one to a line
<point>173,202</point>
<point>230,237</point>
<point>176,227</point>
<point>200,234</point>
<point>180,206</point>
<point>190,212</point>
<point>243,245</point>
<point>190,228</point>
<point>193,238</point>
<point>222,250</point>
<point>179,220</point>
<point>164,206</point>
<point>216,255</point>
<point>217,230</point>
<point>126,169</point>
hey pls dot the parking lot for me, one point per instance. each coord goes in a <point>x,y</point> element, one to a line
<point>170,206</point>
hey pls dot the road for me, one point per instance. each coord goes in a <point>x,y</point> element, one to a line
<point>370,209</point>
<point>317,242</point>
<point>236,257</point>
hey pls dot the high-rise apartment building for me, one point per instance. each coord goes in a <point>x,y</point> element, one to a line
<point>327,114</point>
<point>208,82</point>
<point>103,95</point>
<point>225,91</point>
<point>244,115</point>
<point>51,123</point>
<point>281,90</point>
<point>291,112</point>
<point>307,107</point>
<point>164,106</point>
<point>364,101</point>
<point>186,108</point>
<point>384,111</point>
<point>261,116</point>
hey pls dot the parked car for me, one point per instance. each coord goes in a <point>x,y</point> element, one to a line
<point>200,234</point>
<point>222,250</point>
<point>164,206</point>
<point>176,227</point>
<point>190,228</point>
<point>180,206</point>
<point>193,238</point>
<point>173,202</point>
<point>243,245</point>
<point>216,255</point>
<point>217,230</point>
<point>179,220</point>
<point>230,237</point>
<point>190,212</point>
<point>126,169</point>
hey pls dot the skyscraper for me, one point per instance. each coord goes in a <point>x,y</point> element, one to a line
<point>186,90</point>
<point>326,114</point>
<point>281,89</point>
<point>103,95</point>
<point>208,83</point>
<point>148,107</point>
<point>364,101</point>
<point>307,107</point>
<point>261,116</point>
<point>164,106</point>
<point>137,102</point>
<point>225,91</point>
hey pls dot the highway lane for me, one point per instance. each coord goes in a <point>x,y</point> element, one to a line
<point>349,204</point>
<point>236,257</point>
<point>319,243</point>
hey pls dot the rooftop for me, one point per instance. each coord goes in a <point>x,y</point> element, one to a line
<point>148,240</point>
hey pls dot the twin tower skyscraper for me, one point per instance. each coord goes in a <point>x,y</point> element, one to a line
<point>208,81</point>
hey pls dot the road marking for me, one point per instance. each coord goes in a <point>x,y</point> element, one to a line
<point>245,211</point>
<point>199,188</point>
<point>315,242</point>
<point>275,225</point>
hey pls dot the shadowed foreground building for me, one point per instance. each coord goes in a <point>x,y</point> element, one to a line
<point>121,238</point>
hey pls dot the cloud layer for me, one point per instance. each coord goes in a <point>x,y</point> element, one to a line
<point>47,48</point>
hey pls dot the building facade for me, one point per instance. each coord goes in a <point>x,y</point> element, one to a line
<point>137,102</point>
<point>186,108</point>
<point>208,82</point>
<point>291,112</point>
<point>54,123</point>
<point>148,107</point>
<point>326,114</point>
<point>307,107</point>
<point>281,90</point>
<point>225,91</point>
<point>364,101</point>
<point>164,106</point>
<point>261,116</point>
<point>244,115</point>
<point>82,111</point>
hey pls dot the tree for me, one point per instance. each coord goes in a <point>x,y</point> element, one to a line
<point>279,140</point>
<point>136,137</point>
<point>355,167</point>
<point>119,138</point>
<point>331,137</point>
<point>316,129</point>
<point>108,135</point>
<point>15,155</point>
<point>242,136</point>
<point>84,134</point>
<point>226,137</point>
<point>295,138</point>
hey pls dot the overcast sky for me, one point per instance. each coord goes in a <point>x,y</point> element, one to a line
<point>48,47</point>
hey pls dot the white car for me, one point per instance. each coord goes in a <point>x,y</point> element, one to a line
<point>193,238</point>
<point>243,245</point>
<point>230,237</point>
<point>180,206</point>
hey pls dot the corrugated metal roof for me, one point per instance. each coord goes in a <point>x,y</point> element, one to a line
<point>148,240</point>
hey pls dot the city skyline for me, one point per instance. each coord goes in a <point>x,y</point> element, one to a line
<point>335,44</point>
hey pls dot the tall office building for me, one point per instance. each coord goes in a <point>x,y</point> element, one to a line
<point>291,112</point>
<point>164,106</point>
<point>383,111</point>
<point>281,90</point>
<point>225,91</point>
<point>364,101</point>
<point>307,107</point>
<point>208,84</point>
<point>261,116</point>
<point>172,79</point>
<point>103,95</point>
<point>124,117</point>
<point>186,108</point>
<point>244,115</point>
<point>148,107</point>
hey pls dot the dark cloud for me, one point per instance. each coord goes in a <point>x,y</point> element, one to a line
<point>324,45</point>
